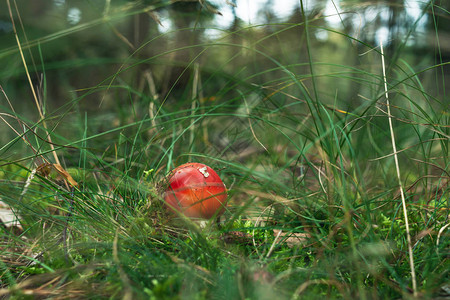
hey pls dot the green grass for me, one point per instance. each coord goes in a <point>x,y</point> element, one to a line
<point>296,127</point>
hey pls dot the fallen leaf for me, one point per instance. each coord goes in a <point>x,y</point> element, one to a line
<point>48,169</point>
<point>292,238</point>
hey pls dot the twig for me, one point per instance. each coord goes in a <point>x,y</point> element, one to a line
<point>402,194</point>
<point>439,235</point>
<point>127,291</point>
<point>250,124</point>
<point>194,104</point>
<point>273,244</point>
<point>38,106</point>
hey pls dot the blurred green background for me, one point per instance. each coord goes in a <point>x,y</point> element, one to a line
<point>106,54</point>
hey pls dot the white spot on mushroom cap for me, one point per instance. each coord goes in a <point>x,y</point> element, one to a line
<point>204,172</point>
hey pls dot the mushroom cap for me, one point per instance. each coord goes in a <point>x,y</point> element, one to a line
<point>196,190</point>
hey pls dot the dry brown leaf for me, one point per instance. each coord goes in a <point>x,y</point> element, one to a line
<point>46,169</point>
<point>292,238</point>
<point>272,197</point>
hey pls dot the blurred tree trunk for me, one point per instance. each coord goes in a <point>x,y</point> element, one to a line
<point>396,16</point>
<point>439,40</point>
<point>187,19</point>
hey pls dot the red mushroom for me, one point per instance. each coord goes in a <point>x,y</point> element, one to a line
<point>196,190</point>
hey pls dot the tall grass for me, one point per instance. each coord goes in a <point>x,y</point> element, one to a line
<point>296,127</point>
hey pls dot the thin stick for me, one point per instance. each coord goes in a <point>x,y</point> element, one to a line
<point>24,63</point>
<point>402,194</point>
<point>439,235</point>
<point>273,244</point>
<point>41,115</point>
<point>251,127</point>
<point>194,104</point>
